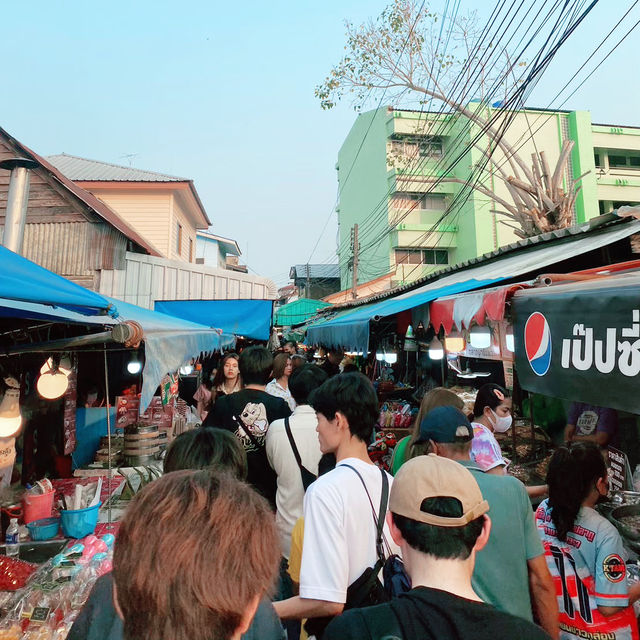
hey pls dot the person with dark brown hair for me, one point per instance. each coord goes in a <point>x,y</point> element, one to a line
<point>279,386</point>
<point>409,447</point>
<point>181,569</point>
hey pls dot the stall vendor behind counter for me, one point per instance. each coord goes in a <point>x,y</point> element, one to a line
<point>587,422</point>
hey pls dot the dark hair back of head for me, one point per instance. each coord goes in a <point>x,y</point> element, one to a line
<point>488,397</point>
<point>304,380</point>
<point>572,474</point>
<point>453,543</point>
<point>207,448</point>
<point>255,364</point>
<point>353,395</point>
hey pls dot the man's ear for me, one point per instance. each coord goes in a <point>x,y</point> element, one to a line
<point>342,422</point>
<point>116,604</point>
<point>247,617</point>
<point>483,538</point>
<point>395,532</point>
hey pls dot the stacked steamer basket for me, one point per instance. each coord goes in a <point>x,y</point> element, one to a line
<point>143,444</point>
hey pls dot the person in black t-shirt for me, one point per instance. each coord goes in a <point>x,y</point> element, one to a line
<point>248,414</point>
<point>438,518</point>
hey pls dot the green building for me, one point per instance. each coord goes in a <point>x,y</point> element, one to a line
<point>409,227</point>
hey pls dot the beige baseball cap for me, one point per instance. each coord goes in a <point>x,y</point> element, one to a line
<point>432,476</point>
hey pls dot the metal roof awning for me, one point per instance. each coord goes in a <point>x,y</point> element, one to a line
<point>350,329</point>
<point>297,312</point>
<point>247,318</point>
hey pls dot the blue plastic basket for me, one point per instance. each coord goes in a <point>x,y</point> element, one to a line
<point>44,529</point>
<point>80,523</point>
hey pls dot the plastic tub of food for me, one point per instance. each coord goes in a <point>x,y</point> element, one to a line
<point>44,529</point>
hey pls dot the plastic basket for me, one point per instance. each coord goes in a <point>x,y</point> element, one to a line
<point>79,523</point>
<point>37,507</point>
<point>44,529</point>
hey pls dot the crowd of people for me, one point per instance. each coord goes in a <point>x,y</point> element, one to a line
<point>272,522</point>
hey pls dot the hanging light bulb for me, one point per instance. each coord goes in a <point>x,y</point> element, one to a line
<point>454,342</point>
<point>134,367</point>
<point>436,350</point>
<point>10,418</point>
<point>53,380</point>
<point>391,358</point>
<point>186,370</point>
<point>480,337</point>
<point>379,356</point>
<point>509,340</point>
<point>64,366</point>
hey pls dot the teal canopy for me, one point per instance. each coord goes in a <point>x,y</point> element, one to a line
<point>297,312</point>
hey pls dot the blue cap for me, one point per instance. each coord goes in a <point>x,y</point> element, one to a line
<point>446,425</point>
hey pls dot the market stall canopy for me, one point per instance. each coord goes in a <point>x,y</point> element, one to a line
<point>581,341</point>
<point>247,318</point>
<point>297,312</point>
<point>27,281</point>
<point>349,328</point>
<point>169,342</point>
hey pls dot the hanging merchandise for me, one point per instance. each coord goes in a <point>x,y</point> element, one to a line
<point>396,415</point>
<point>169,388</point>
<point>410,343</point>
<point>381,450</point>
<point>480,337</point>
<point>10,417</point>
<point>70,405</point>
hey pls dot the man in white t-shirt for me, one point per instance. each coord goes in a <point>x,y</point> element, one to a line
<point>339,526</point>
<point>302,425</point>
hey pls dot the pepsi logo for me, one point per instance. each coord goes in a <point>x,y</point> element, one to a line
<point>537,343</point>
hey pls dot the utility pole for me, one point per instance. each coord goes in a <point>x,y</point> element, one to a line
<point>355,248</point>
<point>307,287</point>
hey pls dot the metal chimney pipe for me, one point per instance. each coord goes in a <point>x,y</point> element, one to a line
<point>17,200</point>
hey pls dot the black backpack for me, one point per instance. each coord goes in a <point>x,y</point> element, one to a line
<point>367,590</point>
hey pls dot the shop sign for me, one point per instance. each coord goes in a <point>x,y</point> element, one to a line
<point>619,470</point>
<point>584,348</point>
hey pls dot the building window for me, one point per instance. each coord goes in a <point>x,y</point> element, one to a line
<point>596,157</point>
<point>422,201</point>
<point>436,256</point>
<point>178,238</point>
<point>617,161</point>
<point>621,159</point>
<point>413,146</point>
<point>422,256</point>
<point>190,249</point>
<point>408,256</point>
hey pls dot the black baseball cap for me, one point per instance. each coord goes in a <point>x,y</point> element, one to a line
<point>446,425</point>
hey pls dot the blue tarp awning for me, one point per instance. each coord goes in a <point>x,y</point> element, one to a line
<point>27,281</point>
<point>350,329</point>
<point>247,318</point>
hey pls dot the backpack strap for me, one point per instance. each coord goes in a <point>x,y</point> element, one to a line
<point>292,442</point>
<point>384,499</point>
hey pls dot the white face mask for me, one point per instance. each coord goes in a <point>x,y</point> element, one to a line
<point>501,424</point>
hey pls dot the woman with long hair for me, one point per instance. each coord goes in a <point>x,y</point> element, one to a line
<point>279,386</point>
<point>491,414</point>
<point>407,447</point>
<point>584,550</point>
<point>227,379</point>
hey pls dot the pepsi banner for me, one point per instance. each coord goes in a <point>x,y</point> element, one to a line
<point>582,344</point>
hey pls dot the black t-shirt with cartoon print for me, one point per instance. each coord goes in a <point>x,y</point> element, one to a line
<point>248,414</point>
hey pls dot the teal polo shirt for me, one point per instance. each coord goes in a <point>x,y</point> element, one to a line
<point>501,575</point>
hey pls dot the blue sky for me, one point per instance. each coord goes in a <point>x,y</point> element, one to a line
<point>223,93</point>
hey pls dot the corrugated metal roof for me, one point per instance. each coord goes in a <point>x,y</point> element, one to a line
<point>99,207</point>
<point>84,169</point>
<point>552,237</point>
<point>315,271</point>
